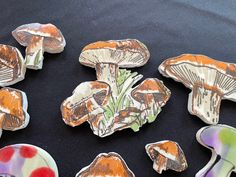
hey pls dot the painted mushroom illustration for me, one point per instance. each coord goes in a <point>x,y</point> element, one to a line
<point>166,155</point>
<point>210,81</point>
<point>12,68</point>
<point>13,109</point>
<point>24,160</point>
<point>123,107</point>
<point>105,165</point>
<point>39,38</point>
<point>221,140</point>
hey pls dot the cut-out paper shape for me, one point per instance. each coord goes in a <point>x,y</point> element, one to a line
<point>111,103</point>
<point>105,165</point>
<point>221,140</point>
<point>13,109</point>
<point>24,160</point>
<point>12,68</point>
<point>210,81</point>
<point>166,155</point>
<point>39,38</point>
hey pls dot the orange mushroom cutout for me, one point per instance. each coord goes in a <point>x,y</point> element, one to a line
<point>12,68</point>
<point>13,109</point>
<point>39,38</point>
<point>166,155</point>
<point>105,165</point>
<point>210,81</point>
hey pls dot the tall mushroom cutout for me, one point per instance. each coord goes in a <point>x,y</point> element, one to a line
<point>105,165</point>
<point>39,38</point>
<point>221,140</point>
<point>166,155</point>
<point>121,109</point>
<point>12,68</point>
<point>13,109</point>
<point>210,81</point>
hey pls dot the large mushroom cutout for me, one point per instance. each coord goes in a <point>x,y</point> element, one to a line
<point>12,68</point>
<point>221,140</point>
<point>166,155</point>
<point>26,160</point>
<point>105,165</point>
<point>210,81</point>
<point>39,38</point>
<point>13,109</point>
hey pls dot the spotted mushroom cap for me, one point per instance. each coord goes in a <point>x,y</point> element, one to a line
<point>80,106</point>
<point>104,165</point>
<point>127,53</point>
<point>12,68</point>
<point>54,41</point>
<point>13,109</point>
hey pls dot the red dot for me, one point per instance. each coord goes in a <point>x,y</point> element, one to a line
<point>43,172</point>
<point>28,151</point>
<point>6,154</point>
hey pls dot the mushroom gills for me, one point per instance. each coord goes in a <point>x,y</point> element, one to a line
<point>34,53</point>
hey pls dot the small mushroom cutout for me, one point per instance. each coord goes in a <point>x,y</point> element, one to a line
<point>221,140</point>
<point>106,165</point>
<point>166,155</point>
<point>24,160</point>
<point>39,38</point>
<point>12,68</point>
<point>210,81</point>
<point>13,109</point>
<point>85,103</point>
<point>107,56</point>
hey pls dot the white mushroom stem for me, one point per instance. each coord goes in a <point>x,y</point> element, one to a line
<point>108,73</point>
<point>34,53</point>
<point>205,104</point>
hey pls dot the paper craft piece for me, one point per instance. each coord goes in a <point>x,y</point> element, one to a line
<point>166,155</point>
<point>39,38</point>
<point>210,81</point>
<point>24,160</point>
<point>12,68</point>
<point>106,165</point>
<point>13,109</point>
<point>221,140</point>
<point>111,103</point>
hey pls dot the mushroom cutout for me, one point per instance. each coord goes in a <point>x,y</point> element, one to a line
<point>105,165</point>
<point>24,160</point>
<point>12,68</point>
<point>221,140</point>
<point>107,56</point>
<point>166,155</point>
<point>210,81</point>
<point>39,38</point>
<point>13,109</point>
<point>85,103</point>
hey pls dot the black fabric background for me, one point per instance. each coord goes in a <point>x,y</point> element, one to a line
<point>168,28</point>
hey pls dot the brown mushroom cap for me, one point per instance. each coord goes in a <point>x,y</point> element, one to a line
<point>54,41</point>
<point>128,53</point>
<point>13,108</point>
<point>104,165</point>
<point>86,98</point>
<point>12,68</point>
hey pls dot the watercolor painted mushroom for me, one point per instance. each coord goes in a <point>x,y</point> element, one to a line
<point>221,140</point>
<point>166,155</point>
<point>12,68</point>
<point>105,165</point>
<point>39,38</point>
<point>210,81</point>
<point>24,160</point>
<point>13,109</point>
<point>121,110</point>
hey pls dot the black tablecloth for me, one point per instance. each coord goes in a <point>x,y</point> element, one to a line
<point>168,27</point>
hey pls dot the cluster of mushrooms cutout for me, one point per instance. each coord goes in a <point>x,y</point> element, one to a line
<point>111,103</point>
